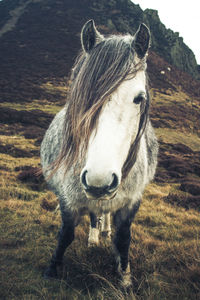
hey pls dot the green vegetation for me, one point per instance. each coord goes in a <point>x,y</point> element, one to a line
<point>165,248</point>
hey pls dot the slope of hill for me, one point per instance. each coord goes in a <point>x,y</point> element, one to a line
<point>165,257</point>
<point>43,40</point>
<point>164,251</point>
<point>115,15</point>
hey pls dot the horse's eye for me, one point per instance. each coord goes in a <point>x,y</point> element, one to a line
<point>139,99</point>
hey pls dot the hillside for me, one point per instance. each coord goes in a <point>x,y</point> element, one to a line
<point>39,40</point>
<point>35,60</point>
<point>164,251</point>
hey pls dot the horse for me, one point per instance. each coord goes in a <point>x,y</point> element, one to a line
<point>100,150</point>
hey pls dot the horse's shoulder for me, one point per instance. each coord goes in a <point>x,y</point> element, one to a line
<point>151,145</point>
<point>52,140</point>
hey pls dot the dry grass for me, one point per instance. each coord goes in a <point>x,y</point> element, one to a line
<point>164,253</point>
<point>169,135</point>
<point>47,106</point>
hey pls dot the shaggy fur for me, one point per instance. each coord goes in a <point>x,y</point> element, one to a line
<point>94,78</point>
<point>100,69</point>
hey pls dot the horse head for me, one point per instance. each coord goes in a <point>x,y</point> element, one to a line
<point>113,142</point>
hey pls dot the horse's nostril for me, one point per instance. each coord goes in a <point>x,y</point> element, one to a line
<point>83,179</point>
<point>114,183</point>
<point>99,191</point>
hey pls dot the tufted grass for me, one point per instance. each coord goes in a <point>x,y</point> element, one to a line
<point>168,135</point>
<point>164,252</point>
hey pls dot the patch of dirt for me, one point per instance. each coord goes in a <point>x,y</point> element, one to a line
<point>28,131</point>
<point>35,117</point>
<point>49,205</point>
<point>175,116</point>
<point>34,132</point>
<point>177,161</point>
<point>32,176</point>
<point>184,200</point>
<point>16,152</point>
<point>191,186</point>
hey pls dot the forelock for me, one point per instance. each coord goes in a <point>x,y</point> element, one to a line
<point>107,64</point>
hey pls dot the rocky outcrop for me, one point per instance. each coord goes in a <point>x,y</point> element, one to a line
<point>170,45</point>
<point>40,39</point>
<point>125,16</point>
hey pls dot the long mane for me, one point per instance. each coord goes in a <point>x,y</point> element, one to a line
<point>95,76</point>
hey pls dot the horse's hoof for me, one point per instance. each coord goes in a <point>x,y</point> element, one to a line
<point>126,283</point>
<point>50,272</point>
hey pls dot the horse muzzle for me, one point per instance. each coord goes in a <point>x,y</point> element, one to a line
<point>104,192</point>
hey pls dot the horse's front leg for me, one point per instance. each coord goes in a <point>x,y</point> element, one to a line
<point>122,220</point>
<point>106,227</point>
<point>95,222</point>
<point>66,236</point>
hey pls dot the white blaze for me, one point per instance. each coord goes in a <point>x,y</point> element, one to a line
<point>117,128</point>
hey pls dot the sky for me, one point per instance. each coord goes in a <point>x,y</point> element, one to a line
<point>180,16</point>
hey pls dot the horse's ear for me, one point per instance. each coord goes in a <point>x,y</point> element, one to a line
<point>90,36</point>
<point>141,41</point>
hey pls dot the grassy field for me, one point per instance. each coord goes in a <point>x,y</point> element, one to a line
<point>165,247</point>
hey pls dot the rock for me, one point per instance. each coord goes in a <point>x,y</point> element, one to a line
<point>169,45</point>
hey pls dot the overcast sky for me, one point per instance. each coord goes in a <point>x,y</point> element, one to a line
<point>181,16</point>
